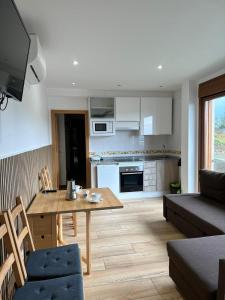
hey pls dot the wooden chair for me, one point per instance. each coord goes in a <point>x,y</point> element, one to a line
<point>44,263</point>
<point>12,260</point>
<point>45,179</point>
<point>46,184</point>
<point>67,287</point>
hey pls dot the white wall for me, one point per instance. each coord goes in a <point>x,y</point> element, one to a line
<point>189,132</point>
<point>67,103</point>
<point>24,126</point>
<point>189,164</point>
<point>211,76</point>
<point>174,141</point>
<point>78,93</point>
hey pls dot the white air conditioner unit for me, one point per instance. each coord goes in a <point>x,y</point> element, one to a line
<point>36,67</point>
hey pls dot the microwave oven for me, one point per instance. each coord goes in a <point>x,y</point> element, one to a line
<point>102,127</point>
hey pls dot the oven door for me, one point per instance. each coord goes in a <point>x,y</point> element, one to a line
<point>131,181</point>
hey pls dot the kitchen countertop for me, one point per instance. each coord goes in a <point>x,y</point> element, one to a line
<point>118,159</point>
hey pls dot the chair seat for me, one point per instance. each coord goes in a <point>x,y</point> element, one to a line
<point>54,262</point>
<point>64,288</point>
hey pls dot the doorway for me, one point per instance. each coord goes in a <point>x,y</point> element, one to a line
<point>75,148</point>
<point>70,148</point>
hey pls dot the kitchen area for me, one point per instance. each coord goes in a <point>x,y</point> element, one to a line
<point>129,145</point>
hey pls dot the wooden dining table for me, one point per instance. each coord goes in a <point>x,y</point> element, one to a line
<point>43,211</point>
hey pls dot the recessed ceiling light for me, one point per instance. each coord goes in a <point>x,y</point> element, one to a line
<point>160,67</point>
<point>75,63</point>
<point>73,83</point>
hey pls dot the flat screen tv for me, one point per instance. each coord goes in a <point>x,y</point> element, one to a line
<point>14,50</point>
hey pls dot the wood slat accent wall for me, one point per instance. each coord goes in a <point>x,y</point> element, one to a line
<point>19,176</point>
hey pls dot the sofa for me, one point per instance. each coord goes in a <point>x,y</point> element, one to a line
<point>197,264</point>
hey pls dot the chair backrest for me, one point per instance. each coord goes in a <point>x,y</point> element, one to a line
<point>45,179</point>
<point>12,261</point>
<point>25,232</point>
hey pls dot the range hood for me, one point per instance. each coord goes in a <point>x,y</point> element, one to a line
<point>125,125</point>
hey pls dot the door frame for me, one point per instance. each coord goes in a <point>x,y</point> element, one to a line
<point>55,144</point>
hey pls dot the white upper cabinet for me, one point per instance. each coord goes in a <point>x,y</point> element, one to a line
<point>156,115</point>
<point>164,116</point>
<point>127,109</point>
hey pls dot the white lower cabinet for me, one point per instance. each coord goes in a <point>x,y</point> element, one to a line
<point>150,176</point>
<point>108,176</point>
<point>157,176</point>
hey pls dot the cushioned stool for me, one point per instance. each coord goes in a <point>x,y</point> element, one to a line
<point>53,262</point>
<point>64,288</point>
<point>194,266</point>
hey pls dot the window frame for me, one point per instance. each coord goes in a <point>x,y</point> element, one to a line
<point>207,91</point>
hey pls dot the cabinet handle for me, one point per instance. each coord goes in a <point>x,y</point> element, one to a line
<point>134,173</point>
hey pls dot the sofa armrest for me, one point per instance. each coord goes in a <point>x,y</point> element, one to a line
<point>177,196</point>
<point>183,194</point>
<point>221,280</point>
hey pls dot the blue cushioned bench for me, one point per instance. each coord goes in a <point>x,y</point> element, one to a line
<point>54,262</point>
<point>63,288</point>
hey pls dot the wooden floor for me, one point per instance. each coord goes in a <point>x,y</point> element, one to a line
<point>129,258</point>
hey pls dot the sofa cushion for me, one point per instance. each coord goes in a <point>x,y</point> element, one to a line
<point>67,288</point>
<point>53,262</point>
<point>207,215</point>
<point>198,261</point>
<point>212,185</point>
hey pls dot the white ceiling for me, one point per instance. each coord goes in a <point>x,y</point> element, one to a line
<point>123,41</point>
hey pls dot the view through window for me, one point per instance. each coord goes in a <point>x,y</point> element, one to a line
<point>216,138</point>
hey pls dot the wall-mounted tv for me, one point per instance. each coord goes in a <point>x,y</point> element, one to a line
<point>14,50</point>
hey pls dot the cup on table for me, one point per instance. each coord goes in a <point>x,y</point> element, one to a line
<point>77,188</point>
<point>85,194</point>
<point>96,197</point>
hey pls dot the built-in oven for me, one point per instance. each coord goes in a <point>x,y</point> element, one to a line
<point>131,179</point>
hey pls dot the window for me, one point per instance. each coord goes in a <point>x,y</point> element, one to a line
<point>215,133</point>
<point>212,124</point>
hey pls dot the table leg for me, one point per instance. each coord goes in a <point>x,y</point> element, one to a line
<point>88,242</point>
<point>60,230</point>
<point>74,217</point>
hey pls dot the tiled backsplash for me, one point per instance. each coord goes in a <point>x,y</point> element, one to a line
<point>123,141</point>
<point>131,143</point>
<point>137,152</point>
